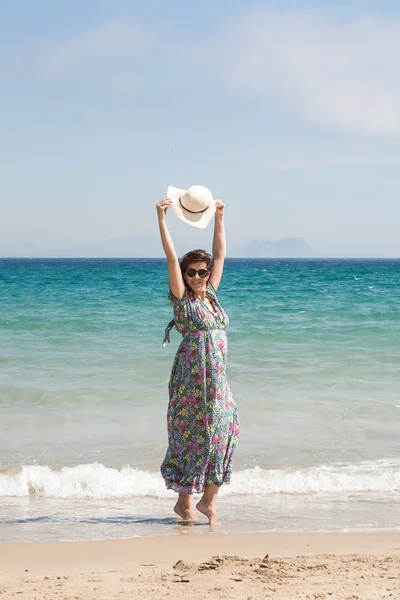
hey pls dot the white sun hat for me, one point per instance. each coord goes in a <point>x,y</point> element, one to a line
<point>195,206</point>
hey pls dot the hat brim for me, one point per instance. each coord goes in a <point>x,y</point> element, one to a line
<point>200,220</point>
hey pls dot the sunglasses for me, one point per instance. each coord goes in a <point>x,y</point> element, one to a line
<point>201,273</point>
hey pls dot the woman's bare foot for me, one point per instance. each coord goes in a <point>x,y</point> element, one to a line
<point>210,512</point>
<point>187,514</point>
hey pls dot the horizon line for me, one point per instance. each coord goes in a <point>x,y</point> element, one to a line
<point>316,258</point>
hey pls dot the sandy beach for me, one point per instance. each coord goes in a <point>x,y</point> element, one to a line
<point>285,566</point>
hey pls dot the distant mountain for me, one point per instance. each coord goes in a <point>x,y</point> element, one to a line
<point>149,246</point>
<point>139,246</point>
<point>284,248</point>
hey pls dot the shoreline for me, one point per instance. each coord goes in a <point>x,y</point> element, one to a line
<point>301,565</point>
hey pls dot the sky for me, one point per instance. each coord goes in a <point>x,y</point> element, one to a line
<point>288,111</point>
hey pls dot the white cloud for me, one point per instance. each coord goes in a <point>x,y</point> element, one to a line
<point>326,69</point>
<point>325,154</point>
<point>114,40</point>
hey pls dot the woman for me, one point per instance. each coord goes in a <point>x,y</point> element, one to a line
<point>203,426</point>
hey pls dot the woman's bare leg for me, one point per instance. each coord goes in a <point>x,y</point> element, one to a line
<point>207,504</point>
<point>183,507</point>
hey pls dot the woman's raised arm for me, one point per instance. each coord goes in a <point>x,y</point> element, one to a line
<point>175,276</point>
<point>219,245</point>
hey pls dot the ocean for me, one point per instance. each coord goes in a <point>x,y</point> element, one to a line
<point>314,366</point>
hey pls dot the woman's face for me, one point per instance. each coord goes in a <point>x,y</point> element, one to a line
<point>196,283</point>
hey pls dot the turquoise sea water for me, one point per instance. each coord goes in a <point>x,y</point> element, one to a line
<point>314,365</point>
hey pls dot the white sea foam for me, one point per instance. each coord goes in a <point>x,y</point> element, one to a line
<point>100,482</point>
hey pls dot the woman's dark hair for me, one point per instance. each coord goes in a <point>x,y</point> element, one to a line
<point>195,256</point>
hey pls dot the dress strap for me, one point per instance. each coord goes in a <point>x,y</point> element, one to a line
<point>211,291</point>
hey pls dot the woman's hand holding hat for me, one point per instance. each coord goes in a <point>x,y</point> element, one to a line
<point>219,208</point>
<point>163,206</point>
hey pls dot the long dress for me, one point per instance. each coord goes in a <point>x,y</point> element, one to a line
<point>203,425</point>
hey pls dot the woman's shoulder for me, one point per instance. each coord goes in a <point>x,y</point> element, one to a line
<point>175,301</point>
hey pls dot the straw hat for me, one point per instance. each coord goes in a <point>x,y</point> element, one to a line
<point>195,206</point>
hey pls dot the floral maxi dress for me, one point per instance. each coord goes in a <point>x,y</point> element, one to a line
<point>203,425</point>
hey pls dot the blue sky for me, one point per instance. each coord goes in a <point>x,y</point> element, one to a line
<point>288,111</point>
